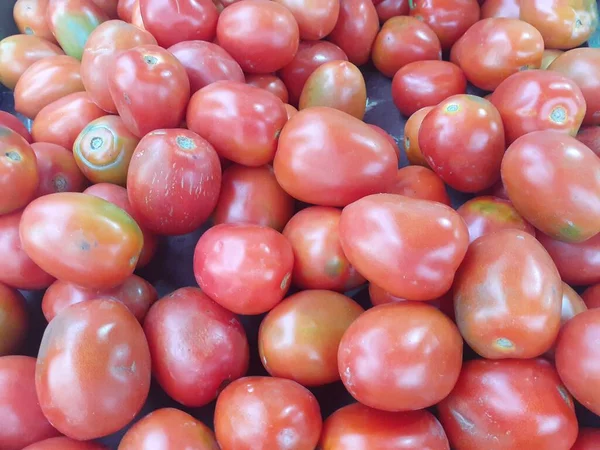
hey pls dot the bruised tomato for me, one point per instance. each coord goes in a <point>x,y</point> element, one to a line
<point>14,321</point>
<point>411,137</point>
<point>30,18</point>
<point>420,183</point>
<point>316,19</point>
<point>58,171</point>
<point>271,83</point>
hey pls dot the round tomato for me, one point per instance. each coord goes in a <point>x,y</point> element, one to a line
<point>411,136</point>
<point>64,443</point>
<point>14,321</point>
<point>30,18</point>
<point>420,183</point>
<point>271,83</point>
<point>588,439</point>
<point>591,296</point>
<point>58,171</point>
<point>391,8</point>
<point>316,19</point>
<point>501,8</point>
<point>356,18</point>
<point>14,123</point>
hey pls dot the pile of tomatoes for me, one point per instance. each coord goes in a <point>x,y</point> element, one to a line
<point>223,142</point>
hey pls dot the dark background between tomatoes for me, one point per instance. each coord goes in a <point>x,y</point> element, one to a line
<point>172,265</point>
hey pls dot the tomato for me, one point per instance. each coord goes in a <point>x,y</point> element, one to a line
<point>358,427</point>
<point>125,9</point>
<point>244,268</point>
<point>173,428</point>
<point>61,121</point>
<point>591,296</point>
<point>267,413</point>
<point>582,65</point>
<point>291,110</point>
<point>539,100</point>
<point>86,240</point>
<point>588,439</point>
<point>444,303</point>
<point>206,63</point>
<point>299,338</point>
<point>17,270</point>
<point>19,52</point>
<point>135,293</point>
<point>14,320</point>
<point>30,18</point>
<point>403,40</point>
<point>572,304</point>
<point>329,158</point>
<point>420,183</point>
<point>311,55</point>
<point>22,418</point>
<point>93,369</point>
<point>577,263</point>
<point>336,84</point>
<point>563,23</point>
<point>262,36</point>
<point>449,19</point>
<point>389,137</point>
<point>391,8</point>
<point>64,443</point>
<point>356,18</point>
<point>316,19</point>
<point>108,6</point>
<point>271,83</point>
<point>549,56</point>
<point>384,348</point>
<point>58,171</point>
<point>411,137</point>
<point>72,22</point>
<point>14,123</point>
<point>509,404</point>
<point>19,175</point>
<point>136,16</point>
<point>570,177</point>
<point>589,136</point>
<point>252,195</point>
<point>426,83</point>
<point>576,356</point>
<point>242,122</point>
<point>197,346</point>
<point>173,181</point>
<point>501,8</point>
<point>104,44</point>
<point>477,124</point>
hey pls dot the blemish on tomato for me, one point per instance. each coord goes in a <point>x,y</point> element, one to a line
<point>558,115</point>
<point>12,155</point>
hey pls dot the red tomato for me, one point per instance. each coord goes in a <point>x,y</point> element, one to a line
<point>14,321</point>
<point>444,303</point>
<point>61,121</point>
<point>589,136</point>
<point>245,268</point>
<point>426,83</point>
<point>291,111</point>
<point>14,123</point>
<point>498,405</point>
<point>582,65</point>
<point>411,136</point>
<point>403,40</point>
<point>572,304</point>
<point>358,427</point>
<point>487,214</point>
<point>476,123</point>
<point>591,296</point>
<point>150,89</point>
<point>242,122</point>
<point>449,19</point>
<point>108,6</point>
<point>197,346</point>
<point>271,83</point>
<point>267,413</point>
<point>30,18</point>
<point>329,158</point>
<point>252,195</point>
<point>389,137</point>
<point>58,171</point>
<point>262,36</point>
<point>549,56</point>
<point>173,429</point>
<point>391,8</point>
<point>136,16</point>
<point>316,19</point>
<point>420,183</point>
<point>501,8</point>
<point>93,369</point>
<point>22,420</point>
<point>576,358</point>
<point>173,181</point>
<point>87,240</point>
<point>539,100</point>
<point>356,18</point>
<point>504,47</point>
<point>64,443</point>
<point>385,347</point>
<point>588,439</point>
<point>125,9</point>
<point>570,177</point>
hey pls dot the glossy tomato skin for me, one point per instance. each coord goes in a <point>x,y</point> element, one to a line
<point>58,171</point>
<point>262,413</point>
<point>356,18</point>
<point>262,36</point>
<point>173,181</point>
<point>487,214</point>
<point>215,343</point>
<point>30,18</point>
<point>14,123</point>
<point>571,177</point>
<point>420,183</point>
<point>226,259</point>
<point>271,83</point>
<point>504,46</point>
<point>110,7</point>
<point>536,100</point>
<point>19,52</point>
<point>21,415</point>
<point>299,338</point>
<point>412,149</point>
<point>475,415</point>
<point>103,45</point>
<point>426,83</point>
<point>87,240</point>
<point>388,136</point>
<point>501,8</point>
<point>336,84</point>
<point>242,122</point>
<point>97,348</point>
<point>403,40</point>
<point>591,296</point>
<point>508,296</point>
<point>572,304</point>
<point>173,428</point>
<point>145,98</point>
<point>386,345</point>
<point>582,65</point>
<point>589,136</point>
<point>61,121</point>
<point>381,236</point>
<point>391,8</point>
<point>577,263</point>
<point>291,110</point>
<point>358,427</point>
<point>329,158</point>
<point>125,9</point>
<point>252,195</point>
<point>64,443</point>
<point>444,303</point>
<point>588,439</point>
<point>14,320</point>
<point>316,19</point>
